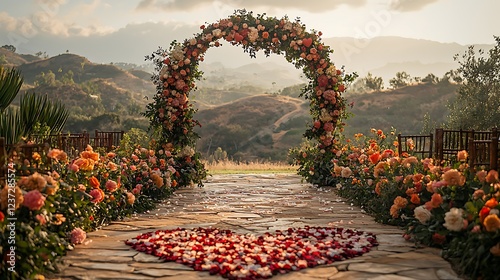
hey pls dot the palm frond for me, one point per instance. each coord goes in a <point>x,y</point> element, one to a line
<point>11,81</point>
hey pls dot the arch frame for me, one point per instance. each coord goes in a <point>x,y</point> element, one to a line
<point>171,114</point>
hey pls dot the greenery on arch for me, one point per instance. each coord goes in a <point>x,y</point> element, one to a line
<point>171,114</point>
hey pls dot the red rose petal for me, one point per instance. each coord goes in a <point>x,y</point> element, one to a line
<point>237,256</point>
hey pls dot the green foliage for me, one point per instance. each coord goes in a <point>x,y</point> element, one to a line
<point>373,83</point>
<point>46,79</point>
<point>478,103</point>
<point>132,139</point>
<point>40,109</point>
<point>402,79</point>
<point>430,78</point>
<point>10,48</point>
<point>11,81</point>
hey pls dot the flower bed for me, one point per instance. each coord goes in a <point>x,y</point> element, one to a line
<point>49,204</point>
<point>445,205</point>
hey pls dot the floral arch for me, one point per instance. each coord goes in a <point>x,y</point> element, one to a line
<point>171,114</point>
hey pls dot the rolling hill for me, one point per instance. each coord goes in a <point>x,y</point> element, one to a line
<point>238,112</point>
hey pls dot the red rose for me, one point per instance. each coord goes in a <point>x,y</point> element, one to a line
<point>438,238</point>
<point>322,80</point>
<point>485,211</point>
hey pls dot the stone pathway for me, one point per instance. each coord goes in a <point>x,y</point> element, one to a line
<point>252,204</point>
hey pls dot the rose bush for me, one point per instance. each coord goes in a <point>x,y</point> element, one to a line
<point>449,205</point>
<point>57,200</point>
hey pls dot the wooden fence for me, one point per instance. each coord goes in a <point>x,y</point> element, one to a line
<point>72,144</point>
<point>444,145</point>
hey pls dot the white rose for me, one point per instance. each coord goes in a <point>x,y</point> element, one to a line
<point>217,33</point>
<point>454,219</point>
<point>346,172</point>
<point>422,214</point>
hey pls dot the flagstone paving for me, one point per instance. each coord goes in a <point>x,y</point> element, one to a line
<point>252,204</point>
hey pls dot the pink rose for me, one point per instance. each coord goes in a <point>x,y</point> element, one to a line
<point>111,185</point>
<point>328,126</point>
<point>34,200</point>
<point>97,195</point>
<point>41,219</point>
<point>73,167</point>
<point>78,236</point>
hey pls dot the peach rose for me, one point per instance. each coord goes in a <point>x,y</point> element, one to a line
<point>454,178</point>
<point>491,223</point>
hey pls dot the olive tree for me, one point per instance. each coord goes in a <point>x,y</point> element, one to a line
<point>477,105</point>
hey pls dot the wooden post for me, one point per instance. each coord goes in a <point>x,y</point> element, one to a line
<point>472,154</point>
<point>400,149</point>
<point>494,153</point>
<point>439,144</point>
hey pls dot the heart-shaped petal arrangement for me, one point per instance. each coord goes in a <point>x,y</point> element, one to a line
<point>248,256</point>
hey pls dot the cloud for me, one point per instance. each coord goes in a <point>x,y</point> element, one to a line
<point>46,19</point>
<point>185,5</point>
<point>410,5</point>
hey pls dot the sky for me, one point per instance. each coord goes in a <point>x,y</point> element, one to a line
<point>126,30</point>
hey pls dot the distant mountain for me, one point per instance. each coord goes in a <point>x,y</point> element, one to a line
<point>267,126</point>
<point>385,56</point>
<point>10,59</point>
<point>83,70</point>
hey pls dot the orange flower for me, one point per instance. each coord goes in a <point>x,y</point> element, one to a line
<point>409,160</point>
<point>375,157</point>
<point>492,223</point>
<point>90,155</point>
<point>435,201</point>
<point>415,199</point>
<point>84,164</point>
<point>265,34</point>
<point>462,156</point>
<point>492,176</point>
<point>491,203</point>
<point>495,250</point>
<point>94,182</point>
<point>399,203</point>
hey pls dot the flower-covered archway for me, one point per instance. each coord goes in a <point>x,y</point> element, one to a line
<point>171,113</point>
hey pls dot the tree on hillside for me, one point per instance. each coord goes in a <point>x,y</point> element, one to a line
<point>374,83</point>
<point>46,79</point>
<point>430,79</point>
<point>452,76</point>
<point>402,79</point>
<point>10,48</point>
<point>478,103</point>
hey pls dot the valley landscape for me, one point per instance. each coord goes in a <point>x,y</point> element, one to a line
<point>253,111</point>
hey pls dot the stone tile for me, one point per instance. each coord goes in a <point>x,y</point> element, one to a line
<point>371,267</point>
<point>392,277</point>
<point>157,272</point>
<point>106,252</point>
<point>105,266</point>
<point>163,265</point>
<point>238,215</point>
<point>415,256</point>
<point>427,274</point>
<point>320,272</point>
<point>352,275</point>
<point>418,263</point>
<point>146,258</point>
<point>446,274</point>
